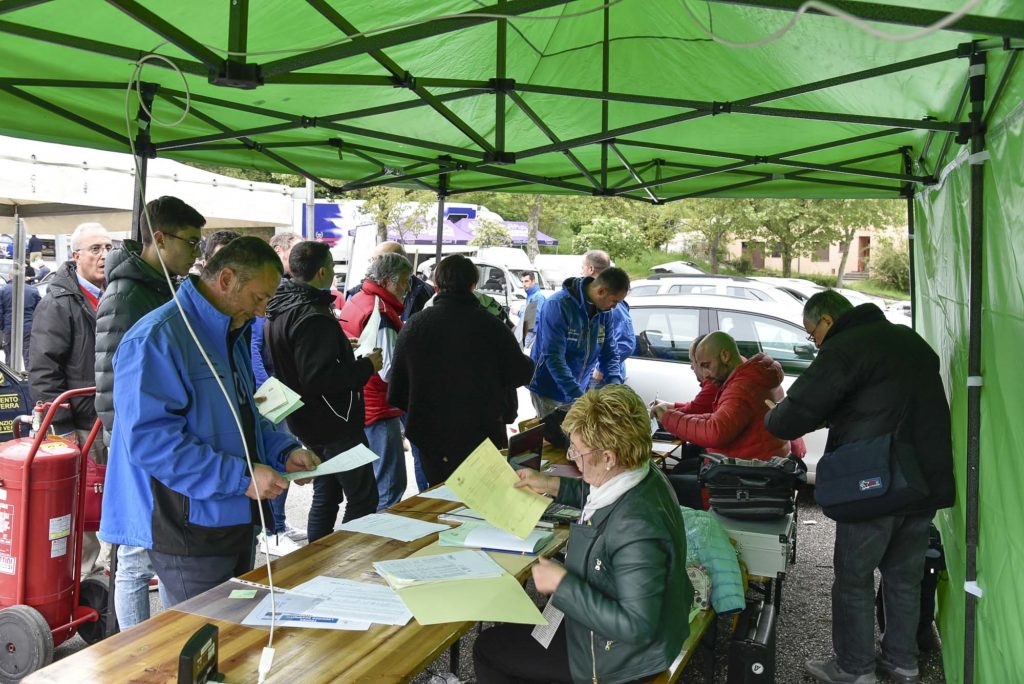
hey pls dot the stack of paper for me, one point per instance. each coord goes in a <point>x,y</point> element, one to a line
<point>393,526</point>
<point>294,609</point>
<point>462,565</point>
<point>480,535</point>
<point>356,601</point>
<point>276,401</point>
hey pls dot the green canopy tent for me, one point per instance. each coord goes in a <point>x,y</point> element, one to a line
<point>630,98</point>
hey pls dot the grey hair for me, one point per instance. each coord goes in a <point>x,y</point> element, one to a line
<point>82,229</point>
<point>391,267</point>
<point>598,259</point>
<point>827,302</point>
<point>285,240</point>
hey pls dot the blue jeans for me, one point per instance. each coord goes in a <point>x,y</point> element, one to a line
<point>131,585</point>
<point>417,466</point>
<point>385,438</point>
<point>185,577</point>
<point>896,546</point>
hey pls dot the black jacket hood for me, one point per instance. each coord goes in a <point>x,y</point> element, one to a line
<point>291,294</point>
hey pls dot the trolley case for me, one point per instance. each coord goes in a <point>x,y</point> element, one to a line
<point>746,489</point>
<point>752,648</point>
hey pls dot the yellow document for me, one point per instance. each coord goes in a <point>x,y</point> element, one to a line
<point>495,599</point>
<point>485,482</point>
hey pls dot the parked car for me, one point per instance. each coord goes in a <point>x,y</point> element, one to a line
<point>678,267</point>
<point>744,288</point>
<point>665,325</point>
<point>15,400</point>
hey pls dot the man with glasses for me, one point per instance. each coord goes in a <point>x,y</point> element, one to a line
<point>139,280</point>
<point>872,378</point>
<point>63,347</point>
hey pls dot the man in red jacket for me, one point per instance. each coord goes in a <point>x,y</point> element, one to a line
<point>386,283</point>
<point>735,425</point>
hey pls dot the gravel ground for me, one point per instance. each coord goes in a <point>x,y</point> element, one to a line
<point>804,622</point>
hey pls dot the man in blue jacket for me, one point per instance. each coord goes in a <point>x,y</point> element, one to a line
<point>179,484</point>
<point>595,262</point>
<point>574,334</point>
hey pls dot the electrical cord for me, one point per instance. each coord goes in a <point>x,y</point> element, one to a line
<point>266,659</point>
<point>826,8</point>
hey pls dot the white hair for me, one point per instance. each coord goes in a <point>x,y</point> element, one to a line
<point>82,229</point>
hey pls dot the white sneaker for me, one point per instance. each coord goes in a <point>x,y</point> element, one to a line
<point>277,545</point>
<point>294,533</point>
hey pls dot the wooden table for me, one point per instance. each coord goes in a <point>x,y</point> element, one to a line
<point>148,652</point>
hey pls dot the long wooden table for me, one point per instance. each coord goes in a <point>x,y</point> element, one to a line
<point>148,653</point>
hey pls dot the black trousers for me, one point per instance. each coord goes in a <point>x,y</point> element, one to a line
<point>358,485</point>
<point>508,654</point>
<point>185,577</point>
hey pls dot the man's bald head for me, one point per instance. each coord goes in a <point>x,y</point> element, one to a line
<point>388,247</point>
<point>717,357</point>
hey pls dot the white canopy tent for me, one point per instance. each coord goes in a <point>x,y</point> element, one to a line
<point>49,189</point>
<point>53,188</point>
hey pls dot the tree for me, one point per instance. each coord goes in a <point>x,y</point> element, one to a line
<point>405,210</point>
<point>719,221</point>
<point>794,227</point>
<point>490,233</point>
<point>854,215</point>
<point>533,226</point>
<point>890,263</point>
<point>618,237</point>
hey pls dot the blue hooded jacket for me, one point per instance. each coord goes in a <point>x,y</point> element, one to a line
<point>176,475</point>
<point>623,340</point>
<point>570,343</point>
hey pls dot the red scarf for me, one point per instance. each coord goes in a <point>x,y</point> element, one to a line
<point>93,299</point>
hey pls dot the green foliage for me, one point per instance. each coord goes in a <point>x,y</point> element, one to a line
<point>742,266</point>
<point>490,233</point>
<point>878,289</point>
<point>618,237</point>
<point>890,264</point>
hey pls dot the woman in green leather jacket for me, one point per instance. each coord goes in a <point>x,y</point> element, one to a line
<point>623,590</point>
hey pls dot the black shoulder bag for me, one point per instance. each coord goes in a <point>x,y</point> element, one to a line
<point>869,478</point>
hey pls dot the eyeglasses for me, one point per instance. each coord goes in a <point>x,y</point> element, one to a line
<point>96,250</point>
<point>810,335</point>
<point>574,454</point>
<point>193,244</point>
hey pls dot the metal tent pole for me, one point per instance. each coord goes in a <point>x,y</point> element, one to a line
<point>908,190</point>
<point>143,151</point>
<point>18,300</point>
<point>974,377</point>
<point>442,192</point>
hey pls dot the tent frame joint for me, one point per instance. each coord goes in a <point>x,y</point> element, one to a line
<point>232,73</point>
<point>721,108</point>
<point>500,158</point>
<point>502,85</point>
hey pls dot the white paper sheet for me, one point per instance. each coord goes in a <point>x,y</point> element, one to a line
<point>443,493</point>
<point>368,338</point>
<point>293,611</point>
<point>461,565</point>
<point>357,601</point>
<point>393,526</point>
<point>278,400</point>
<point>481,535</point>
<point>346,460</point>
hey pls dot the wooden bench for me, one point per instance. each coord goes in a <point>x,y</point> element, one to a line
<point>702,626</point>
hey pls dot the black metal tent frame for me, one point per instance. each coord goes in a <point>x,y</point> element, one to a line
<point>443,162</point>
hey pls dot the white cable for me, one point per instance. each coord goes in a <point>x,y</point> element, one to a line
<point>265,661</point>
<point>826,8</point>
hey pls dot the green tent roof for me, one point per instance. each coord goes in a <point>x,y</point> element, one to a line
<point>517,104</point>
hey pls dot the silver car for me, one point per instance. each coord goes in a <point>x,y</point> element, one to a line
<point>665,325</point>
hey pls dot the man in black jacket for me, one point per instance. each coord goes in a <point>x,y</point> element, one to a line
<point>136,285</point>
<point>312,356</point>
<point>871,377</point>
<point>453,368</point>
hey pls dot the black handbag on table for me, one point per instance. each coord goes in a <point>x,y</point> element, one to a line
<point>869,478</point>
<point>752,490</point>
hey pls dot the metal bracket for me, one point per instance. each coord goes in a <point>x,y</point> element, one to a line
<point>406,80</point>
<point>501,158</point>
<point>243,76</point>
<point>502,85</point>
<point>721,108</point>
<point>308,121</point>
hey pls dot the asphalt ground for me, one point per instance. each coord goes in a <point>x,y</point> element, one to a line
<point>803,627</point>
